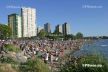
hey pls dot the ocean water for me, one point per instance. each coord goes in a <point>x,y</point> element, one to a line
<point>97,47</point>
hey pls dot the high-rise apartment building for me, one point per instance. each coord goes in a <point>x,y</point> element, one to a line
<point>59,28</point>
<point>66,29</point>
<point>14,22</point>
<point>47,27</point>
<point>28,22</point>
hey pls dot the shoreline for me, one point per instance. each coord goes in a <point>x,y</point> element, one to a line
<point>67,55</point>
<point>69,46</point>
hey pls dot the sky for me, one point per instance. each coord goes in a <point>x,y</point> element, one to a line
<point>87,16</point>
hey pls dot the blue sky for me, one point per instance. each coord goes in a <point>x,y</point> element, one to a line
<point>89,21</point>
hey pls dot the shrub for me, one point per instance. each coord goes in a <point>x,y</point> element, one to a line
<point>91,59</point>
<point>13,48</point>
<point>34,66</point>
<point>5,59</point>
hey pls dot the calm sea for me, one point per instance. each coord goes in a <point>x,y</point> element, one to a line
<point>97,47</point>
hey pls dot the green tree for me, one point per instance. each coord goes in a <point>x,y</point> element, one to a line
<point>69,36</point>
<point>56,35</point>
<point>42,33</point>
<point>5,31</point>
<point>79,35</point>
<point>57,32</point>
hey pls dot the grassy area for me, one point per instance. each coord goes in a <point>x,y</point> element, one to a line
<point>95,60</point>
<point>9,60</point>
<point>9,65</point>
<point>36,65</point>
<point>10,47</point>
<point>77,65</point>
<point>6,68</point>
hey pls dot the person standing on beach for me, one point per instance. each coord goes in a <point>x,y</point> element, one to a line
<point>46,57</point>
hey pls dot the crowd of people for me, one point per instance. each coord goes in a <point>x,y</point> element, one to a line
<point>48,51</point>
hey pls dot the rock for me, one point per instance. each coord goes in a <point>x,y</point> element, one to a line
<point>20,57</point>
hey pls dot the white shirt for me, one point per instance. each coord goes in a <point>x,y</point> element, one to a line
<point>47,54</point>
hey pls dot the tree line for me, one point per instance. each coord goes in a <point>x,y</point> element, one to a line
<point>57,35</point>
